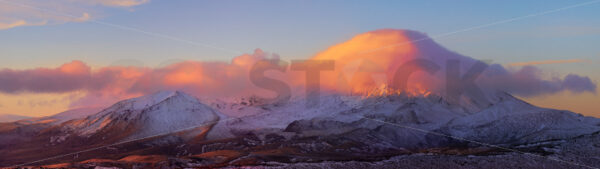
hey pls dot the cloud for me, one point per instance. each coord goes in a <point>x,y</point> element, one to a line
<point>543,62</point>
<point>120,3</point>
<point>84,17</point>
<point>65,78</point>
<point>16,13</point>
<point>105,85</point>
<point>42,103</point>
<point>355,71</point>
<point>527,81</point>
<point>207,79</point>
<point>69,77</point>
<point>17,23</point>
<point>388,50</point>
<point>578,84</point>
<point>12,24</point>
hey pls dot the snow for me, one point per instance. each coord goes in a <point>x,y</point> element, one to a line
<point>76,113</point>
<point>507,120</point>
<point>159,113</point>
<point>149,100</point>
<point>348,109</point>
<point>180,111</point>
<point>387,119</point>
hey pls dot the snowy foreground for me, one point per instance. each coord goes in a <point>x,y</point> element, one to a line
<point>582,152</point>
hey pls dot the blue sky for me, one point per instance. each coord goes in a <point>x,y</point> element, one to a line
<point>299,29</point>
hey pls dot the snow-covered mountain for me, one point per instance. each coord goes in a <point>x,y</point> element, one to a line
<point>350,126</point>
<point>171,115</point>
<point>156,114</point>
<point>402,120</point>
<point>396,119</point>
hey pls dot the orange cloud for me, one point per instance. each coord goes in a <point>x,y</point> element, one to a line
<point>203,78</point>
<point>75,67</point>
<point>185,73</point>
<point>355,71</point>
<point>368,63</point>
<point>12,24</point>
<point>16,23</point>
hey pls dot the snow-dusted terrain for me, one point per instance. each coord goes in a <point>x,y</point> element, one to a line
<point>160,113</point>
<point>353,126</point>
<point>507,121</point>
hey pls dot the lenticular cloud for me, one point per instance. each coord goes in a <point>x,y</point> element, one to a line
<point>371,59</point>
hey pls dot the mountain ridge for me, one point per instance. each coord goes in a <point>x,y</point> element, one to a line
<point>371,125</point>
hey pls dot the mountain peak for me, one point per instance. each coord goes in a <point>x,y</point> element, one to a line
<point>155,98</point>
<point>159,112</point>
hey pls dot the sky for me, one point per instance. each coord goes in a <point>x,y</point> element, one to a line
<point>557,37</point>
